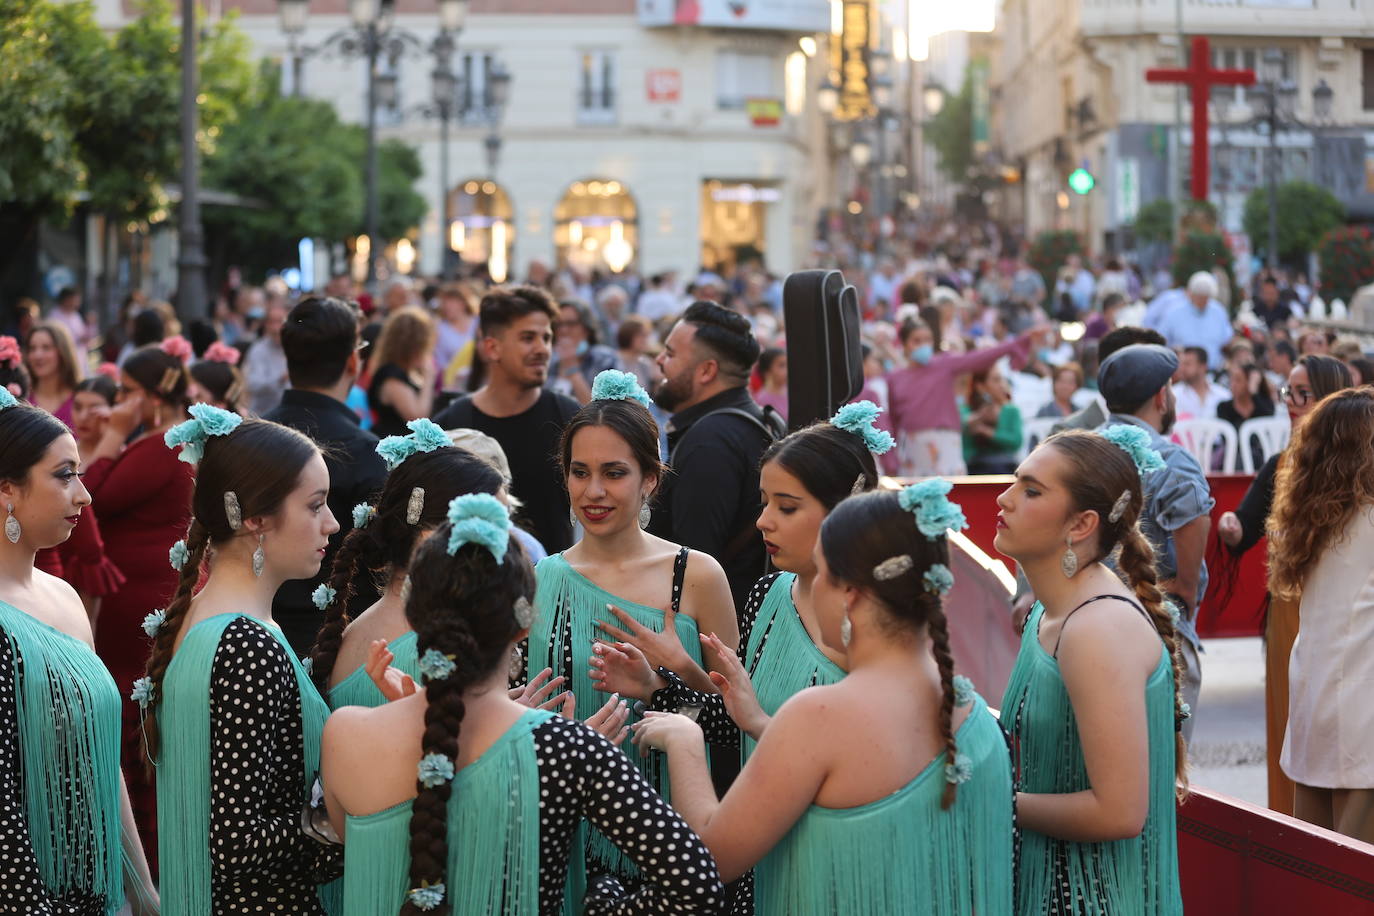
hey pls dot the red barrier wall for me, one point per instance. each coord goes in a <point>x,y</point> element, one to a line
<point>1237,613</point>
<point>1235,858</point>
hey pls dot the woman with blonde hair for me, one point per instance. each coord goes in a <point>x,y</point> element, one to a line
<point>55,367</point>
<point>402,386</point>
<point>1321,538</point>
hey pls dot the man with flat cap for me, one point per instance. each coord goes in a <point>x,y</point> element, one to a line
<point>1178,502</point>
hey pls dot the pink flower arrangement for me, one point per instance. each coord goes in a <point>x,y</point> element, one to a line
<point>10,354</point>
<point>179,347</point>
<point>219,352</point>
<point>109,370</point>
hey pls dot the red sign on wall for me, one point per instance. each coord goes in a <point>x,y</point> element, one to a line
<point>663,85</point>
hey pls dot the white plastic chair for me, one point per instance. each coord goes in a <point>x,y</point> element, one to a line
<point>1035,431</point>
<point>1200,438</point>
<point>1272,434</point>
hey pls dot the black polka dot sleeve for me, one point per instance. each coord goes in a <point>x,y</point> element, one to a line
<point>261,861</point>
<point>21,885</point>
<point>582,775</point>
<point>720,730</point>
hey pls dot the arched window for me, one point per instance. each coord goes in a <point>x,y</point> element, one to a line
<point>483,227</point>
<point>596,224</point>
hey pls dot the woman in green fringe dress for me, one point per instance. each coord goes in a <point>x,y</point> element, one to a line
<point>888,792</point>
<point>425,474</point>
<point>459,800</point>
<point>67,835</point>
<point>1092,707</point>
<point>234,721</point>
<point>619,572</point>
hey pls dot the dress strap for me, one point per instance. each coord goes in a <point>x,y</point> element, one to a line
<point>679,574</point>
<point>1134,604</point>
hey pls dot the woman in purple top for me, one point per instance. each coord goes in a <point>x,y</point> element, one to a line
<point>921,397</point>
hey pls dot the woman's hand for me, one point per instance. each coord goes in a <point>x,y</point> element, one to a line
<point>661,650</point>
<point>623,669</point>
<point>609,721</point>
<point>394,683</point>
<point>1229,529</point>
<point>657,730</point>
<point>125,416</point>
<point>539,694</point>
<point>730,678</point>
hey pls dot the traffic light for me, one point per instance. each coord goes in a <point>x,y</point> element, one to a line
<point>1081,181</point>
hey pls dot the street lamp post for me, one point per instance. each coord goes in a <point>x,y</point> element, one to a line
<point>191,291</point>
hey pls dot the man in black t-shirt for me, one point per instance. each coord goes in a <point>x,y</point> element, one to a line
<point>515,341</point>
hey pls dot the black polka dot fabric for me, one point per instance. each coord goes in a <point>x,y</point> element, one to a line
<point>584,776</point>
<point>260,860</point>
<point>21,886</point>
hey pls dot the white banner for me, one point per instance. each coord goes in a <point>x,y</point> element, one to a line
<point>782,15</point>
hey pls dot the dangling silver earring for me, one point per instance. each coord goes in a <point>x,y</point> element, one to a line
<point>516,667</point>
<point>12,525</point>
<point>405,590</point>
<point>1069,562</point>
<point>259,557</point>
<point>572,517</point>
<point>646,514</point>
<point>846,631</point>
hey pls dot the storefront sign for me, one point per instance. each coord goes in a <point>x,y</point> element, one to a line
<point>764,112</point>
<point>745,194</point>
<point>663,85</point>
<point>782,15</point>
<point>856,97</point>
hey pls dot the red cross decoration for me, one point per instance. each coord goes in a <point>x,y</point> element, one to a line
<point>1200,77</point>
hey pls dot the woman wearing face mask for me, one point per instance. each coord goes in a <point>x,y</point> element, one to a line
<point>144,494</point>
<point>232,721</point>
<point>1092,708</point>
<point>1312,379</point>
<point>63,808</point>
<point>457,799</point>
<point>924,410</point>
<point>618,574</point>
<point>888,791</point>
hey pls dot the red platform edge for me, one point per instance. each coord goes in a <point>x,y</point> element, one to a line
<point>1236,858</point>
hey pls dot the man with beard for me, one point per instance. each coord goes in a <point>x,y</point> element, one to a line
<point>716,437</point>
<point>515,341</point>
<point>1178,502</point>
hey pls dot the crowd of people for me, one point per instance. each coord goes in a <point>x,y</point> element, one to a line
<point>524,598</point>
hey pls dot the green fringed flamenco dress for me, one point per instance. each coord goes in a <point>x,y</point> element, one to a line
<point>59,773</point>
<point>239,724</point>
<point>358,690</point>
<point>1134,877</point>
<point>523,800</point>
<point>904,855</point>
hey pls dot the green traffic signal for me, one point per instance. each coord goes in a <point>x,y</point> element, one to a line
<point>1081,181</point>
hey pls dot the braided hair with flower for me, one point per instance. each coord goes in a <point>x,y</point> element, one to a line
<point>467,583</point>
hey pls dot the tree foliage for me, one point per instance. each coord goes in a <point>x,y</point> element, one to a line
<point>950,132</point>
<point>1306,212</point>
<point>1346,255</point>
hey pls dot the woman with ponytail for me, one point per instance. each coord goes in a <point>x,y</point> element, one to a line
<point>473,804</point>
<point>1092,707</point>
<point>426,474</point>
<point>803,477</point>
<point>67,834</point>
<point>232,721</point>
<point>888,791</point>
<point>144,495</point>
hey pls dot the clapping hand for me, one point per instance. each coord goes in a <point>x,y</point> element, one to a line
<point>623,669</point>
<point>539,694</point>
<point>730,678</point>
<point>658,729</point>
<point>609,721</point>
<point>394,683</point>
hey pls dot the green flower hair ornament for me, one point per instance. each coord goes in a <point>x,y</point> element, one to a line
<point>963,690</point>
<point>425,436</point>
<point>435,665</point>
<point>1135,442</point>
<point>207,420</point>
<point>178,555</point>
<point>143,691</point>
<point>960,771</point>
<point>935,514</point>
<point>479,518</point>
<point>614,385</point>
<point>323,596</point>
<point>427,896</point>
<point>363,514</point>
<point>938,579</point>
<point>7,400</point>
<point>434,770</point>
<point>858,418</point>
<point>153,622</point>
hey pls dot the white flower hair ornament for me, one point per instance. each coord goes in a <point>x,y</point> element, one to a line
<point>206,421</point>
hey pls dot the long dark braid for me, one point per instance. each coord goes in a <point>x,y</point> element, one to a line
<point>197,545</point>
<point>384,546</point>
<point>938,627</point>
<point>463,607</point>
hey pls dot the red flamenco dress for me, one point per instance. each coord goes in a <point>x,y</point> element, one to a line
<point>144,497</point>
